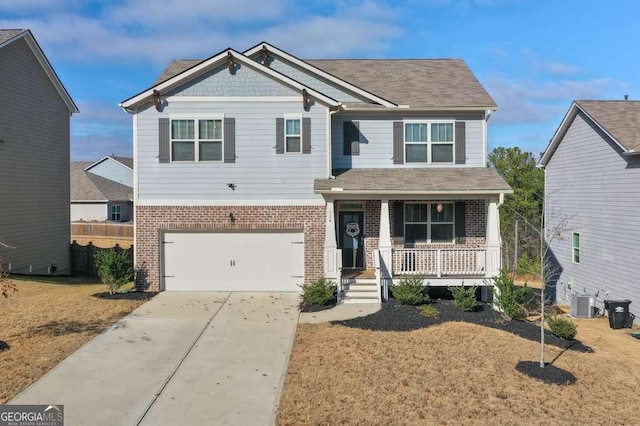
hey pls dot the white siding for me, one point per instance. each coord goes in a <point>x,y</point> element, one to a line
<point>115,171</point>
<point>376,144</point>
<point>258,173</point>
<point>597,190</point>
<point>89,212</point>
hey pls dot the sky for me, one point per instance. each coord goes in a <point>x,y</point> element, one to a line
<point>533,57</point>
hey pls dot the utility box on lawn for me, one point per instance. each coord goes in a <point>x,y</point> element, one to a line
<point>619,316</point>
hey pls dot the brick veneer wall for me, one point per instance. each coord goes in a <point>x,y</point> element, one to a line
<point>151,220</point>
<point>475,218</point>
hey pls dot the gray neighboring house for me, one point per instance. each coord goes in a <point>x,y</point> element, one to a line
<point>35,110</point>
<point>592,172</point>
<point>102,190</point>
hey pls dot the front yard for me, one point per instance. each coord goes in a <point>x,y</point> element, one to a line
<point>47,320</point>
<point>457,373</point>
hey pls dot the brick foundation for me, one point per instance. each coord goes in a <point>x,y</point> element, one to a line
<point>151,220</point>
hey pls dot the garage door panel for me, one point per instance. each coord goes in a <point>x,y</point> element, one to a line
<point>233,261</point>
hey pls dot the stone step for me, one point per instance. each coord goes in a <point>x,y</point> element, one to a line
<point>360,299</point>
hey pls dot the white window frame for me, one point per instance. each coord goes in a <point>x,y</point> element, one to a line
<point>429,143</point>
<point>196,137</point>
<point>112,213</point>
<point>287,135</point>
<point>429,222</point>
<point>574,248</point>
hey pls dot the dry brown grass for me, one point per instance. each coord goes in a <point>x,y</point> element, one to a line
<point>103,242</point>
<point>456,373</point>
<point>44,322</point>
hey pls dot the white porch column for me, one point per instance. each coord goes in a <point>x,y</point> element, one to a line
<point>384,240</point>
<point>331,266</point>
<point>493,257</point>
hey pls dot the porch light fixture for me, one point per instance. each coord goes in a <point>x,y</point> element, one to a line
<point>156,100</point>
<point>230,62</point>
<point>232,217</point>
<point>232,186</point>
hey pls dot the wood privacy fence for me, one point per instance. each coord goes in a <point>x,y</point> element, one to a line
<point>113,230</point>
<point>83,260</point>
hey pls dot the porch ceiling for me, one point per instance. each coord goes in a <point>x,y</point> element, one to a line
<point>462,180</point>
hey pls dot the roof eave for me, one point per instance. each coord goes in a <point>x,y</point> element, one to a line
<point>203,66</point>
<point>405,108</point>
<point>339,190</point>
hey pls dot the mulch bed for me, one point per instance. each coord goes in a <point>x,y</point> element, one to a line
<point>549,374</point>
<point>396,317</point>
<point>130,295</point>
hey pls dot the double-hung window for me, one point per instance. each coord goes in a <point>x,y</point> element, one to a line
<point>196,140</point>
<point>115,215</point>
<point>428,142</point>
<point>428,222</point>
<point>292,135</point>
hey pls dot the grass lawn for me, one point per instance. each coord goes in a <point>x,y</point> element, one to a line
<point>45,321</point>
<point>456,373</point>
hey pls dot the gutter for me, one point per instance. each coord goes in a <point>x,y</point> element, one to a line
<point>339,190</point>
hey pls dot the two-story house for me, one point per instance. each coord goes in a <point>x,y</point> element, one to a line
<point>261,171</point>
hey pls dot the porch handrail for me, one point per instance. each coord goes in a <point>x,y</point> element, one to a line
<point>438,262</point>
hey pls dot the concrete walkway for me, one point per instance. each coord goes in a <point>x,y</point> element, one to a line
<point>181,358</point>
<point>344,311</point>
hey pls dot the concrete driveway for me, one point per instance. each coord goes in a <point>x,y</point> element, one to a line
<point>181,358</point>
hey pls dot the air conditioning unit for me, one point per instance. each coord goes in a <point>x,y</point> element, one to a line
<point>582,305</point>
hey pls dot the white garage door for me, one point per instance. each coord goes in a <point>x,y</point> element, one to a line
<point>233,261</point>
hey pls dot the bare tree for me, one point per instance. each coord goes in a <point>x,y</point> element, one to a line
<point>7,287</point>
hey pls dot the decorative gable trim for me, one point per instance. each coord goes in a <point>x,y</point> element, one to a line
<point>46,66</point>
<point>320,73</point>
<point>214,61</point>
<point>105,158</point>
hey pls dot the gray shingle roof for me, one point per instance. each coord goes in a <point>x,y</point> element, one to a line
<point>6,35</point>
<point>85,186</point>
<point>127,161</point>
<point>455,180</point>
<point>415,82</point>
<point>620,118</point>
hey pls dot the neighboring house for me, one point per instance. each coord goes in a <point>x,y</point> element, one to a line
<point>103,190</point>
<point>592,168</point>
<point>35,110</point>
<point>261,171</point>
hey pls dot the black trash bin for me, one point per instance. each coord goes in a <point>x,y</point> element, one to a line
<point>619,316</point>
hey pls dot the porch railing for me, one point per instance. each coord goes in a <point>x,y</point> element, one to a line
<point>439,262</point>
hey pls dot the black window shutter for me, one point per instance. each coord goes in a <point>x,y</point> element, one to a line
<point>398,143</point>
<point>229,140</point>
<point>351,137</point>
<point>306,135</point>
<point>164,140</point>
<point>461,142</point>
<point>279,135</point>
<point>398,219</point>
<point>460,221</point>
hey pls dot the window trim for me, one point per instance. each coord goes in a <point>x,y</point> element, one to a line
<point>574,248</point>
<point>112,213</point>
<point>286,118</point>
<point>429,142</point>
<point>429,222</point>
<point>196,137</point>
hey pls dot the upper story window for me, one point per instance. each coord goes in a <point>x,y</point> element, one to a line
<point>293,135</point>
<point>428,142</point>
<point>196,140</point>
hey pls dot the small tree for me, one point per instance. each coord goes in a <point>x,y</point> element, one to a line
<point>464,298</point>
<point>7,287</point>
<point>509,298</point>
<point>114,269</point>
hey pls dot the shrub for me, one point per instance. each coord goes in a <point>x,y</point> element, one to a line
<point>6,285</point>
<point>410,291</point>
<point>429,311</point>
<point>319,292</point>
<point>508,297</point>
<point>562,327</point>
<point>114,269</point>
<point>464,298</point>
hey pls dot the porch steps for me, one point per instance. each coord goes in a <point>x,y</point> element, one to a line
<point>359,290</point>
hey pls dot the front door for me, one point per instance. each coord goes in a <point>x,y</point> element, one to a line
<point>351,239</point>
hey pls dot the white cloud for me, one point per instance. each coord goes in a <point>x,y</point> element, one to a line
<point>560,68</point>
